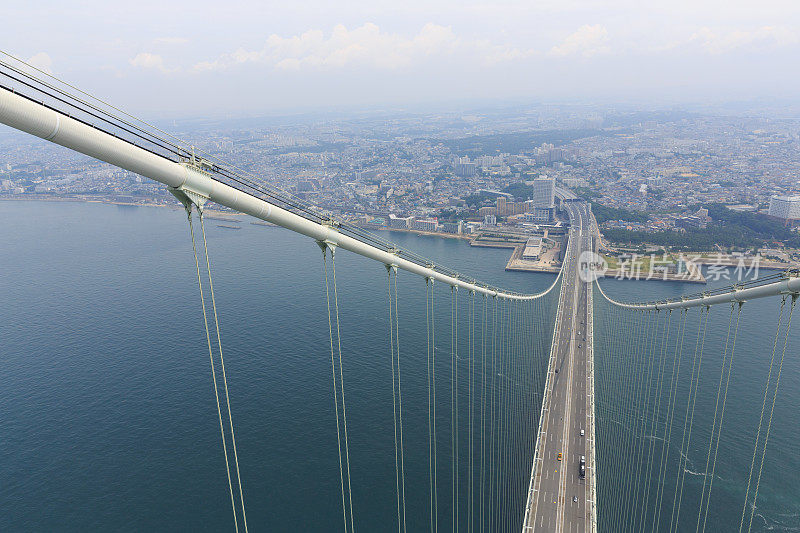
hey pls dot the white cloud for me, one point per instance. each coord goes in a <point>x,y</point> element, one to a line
<point>42,61</point>
<point>147,60</point>
<point>366,45</point>
<point>586,41</point>
<point>170,40</point>
<point>722,41</point>
<point>494,54</point>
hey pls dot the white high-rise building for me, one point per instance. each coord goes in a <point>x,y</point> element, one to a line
<point>785,207</point>
<point>544,192</point>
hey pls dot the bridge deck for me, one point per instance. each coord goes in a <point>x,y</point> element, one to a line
<point>560,499</point>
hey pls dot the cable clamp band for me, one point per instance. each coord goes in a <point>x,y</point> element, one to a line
<point>189,197</point>
<point>326,245</point>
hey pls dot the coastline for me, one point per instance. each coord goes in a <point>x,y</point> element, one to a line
<point>514,263</point>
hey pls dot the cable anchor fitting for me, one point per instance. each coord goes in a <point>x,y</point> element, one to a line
<point>189,198</point>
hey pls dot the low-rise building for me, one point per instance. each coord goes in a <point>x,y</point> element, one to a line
<point>533,249</point>
<point>425,224</point>
<point>400,222</point>
<point>453,227</point>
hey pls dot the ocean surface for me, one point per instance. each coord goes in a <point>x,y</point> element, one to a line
<point>107,412</point>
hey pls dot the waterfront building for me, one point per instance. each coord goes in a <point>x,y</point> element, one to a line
<point>425,224</point>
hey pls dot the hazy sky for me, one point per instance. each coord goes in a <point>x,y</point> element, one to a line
<point>201,57</point>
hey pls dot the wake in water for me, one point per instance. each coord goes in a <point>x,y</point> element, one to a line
<point>688,463</point>
<point>701,474</point>
<point>791,521</point>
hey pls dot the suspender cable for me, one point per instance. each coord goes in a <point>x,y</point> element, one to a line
<point>470,411</point>
<point>522,384</point>
<point>454,398</point>
<point>498,386</point>
<point>656,408</point>
<point>433,386</point>
<point>224,375</point>
<point>335,385</point>
<point>483,413</point>
<point>716,411</point>
<point>763,408</point>
<point>500,411</point>
<point>213,371</point>
<point>667,436</point>
<point>639,359</point>
<point>683,457</point>
<point>389,270</point>
<point>642,422</point>
<point>429,319</point>
<point>772,410</point>
<point>341,385</point>
<point>506,415</point>
<point>619,363</point>
<point>628,362</point>
<point>636,436</point>
<point>492,463</point>
<point>430,425</point>
<point>399,401</point>
<point>519,423</point>
<point>497,410</point>
<point>508,502</point>
<point>721,418</point>
<point>529,405</point>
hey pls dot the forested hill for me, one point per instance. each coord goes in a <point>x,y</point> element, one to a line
<point>729,229</point>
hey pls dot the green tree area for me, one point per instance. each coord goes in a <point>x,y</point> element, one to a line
<point>520,191</point>
<point>603,214</point>
<point>729,229</point>
<point>586,193</point>
<point>454,215</point>
<point>514,143</point>
<point>761,224</point>
<point>480,199</point>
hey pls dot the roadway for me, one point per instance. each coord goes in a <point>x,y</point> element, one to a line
<point>560,499</point>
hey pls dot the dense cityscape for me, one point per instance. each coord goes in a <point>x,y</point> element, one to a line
<point>659,181</point>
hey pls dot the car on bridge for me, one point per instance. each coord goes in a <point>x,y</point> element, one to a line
<point>559,456</point>
<point>582,467</point>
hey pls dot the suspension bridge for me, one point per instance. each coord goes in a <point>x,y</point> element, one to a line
<point>568,411</point>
